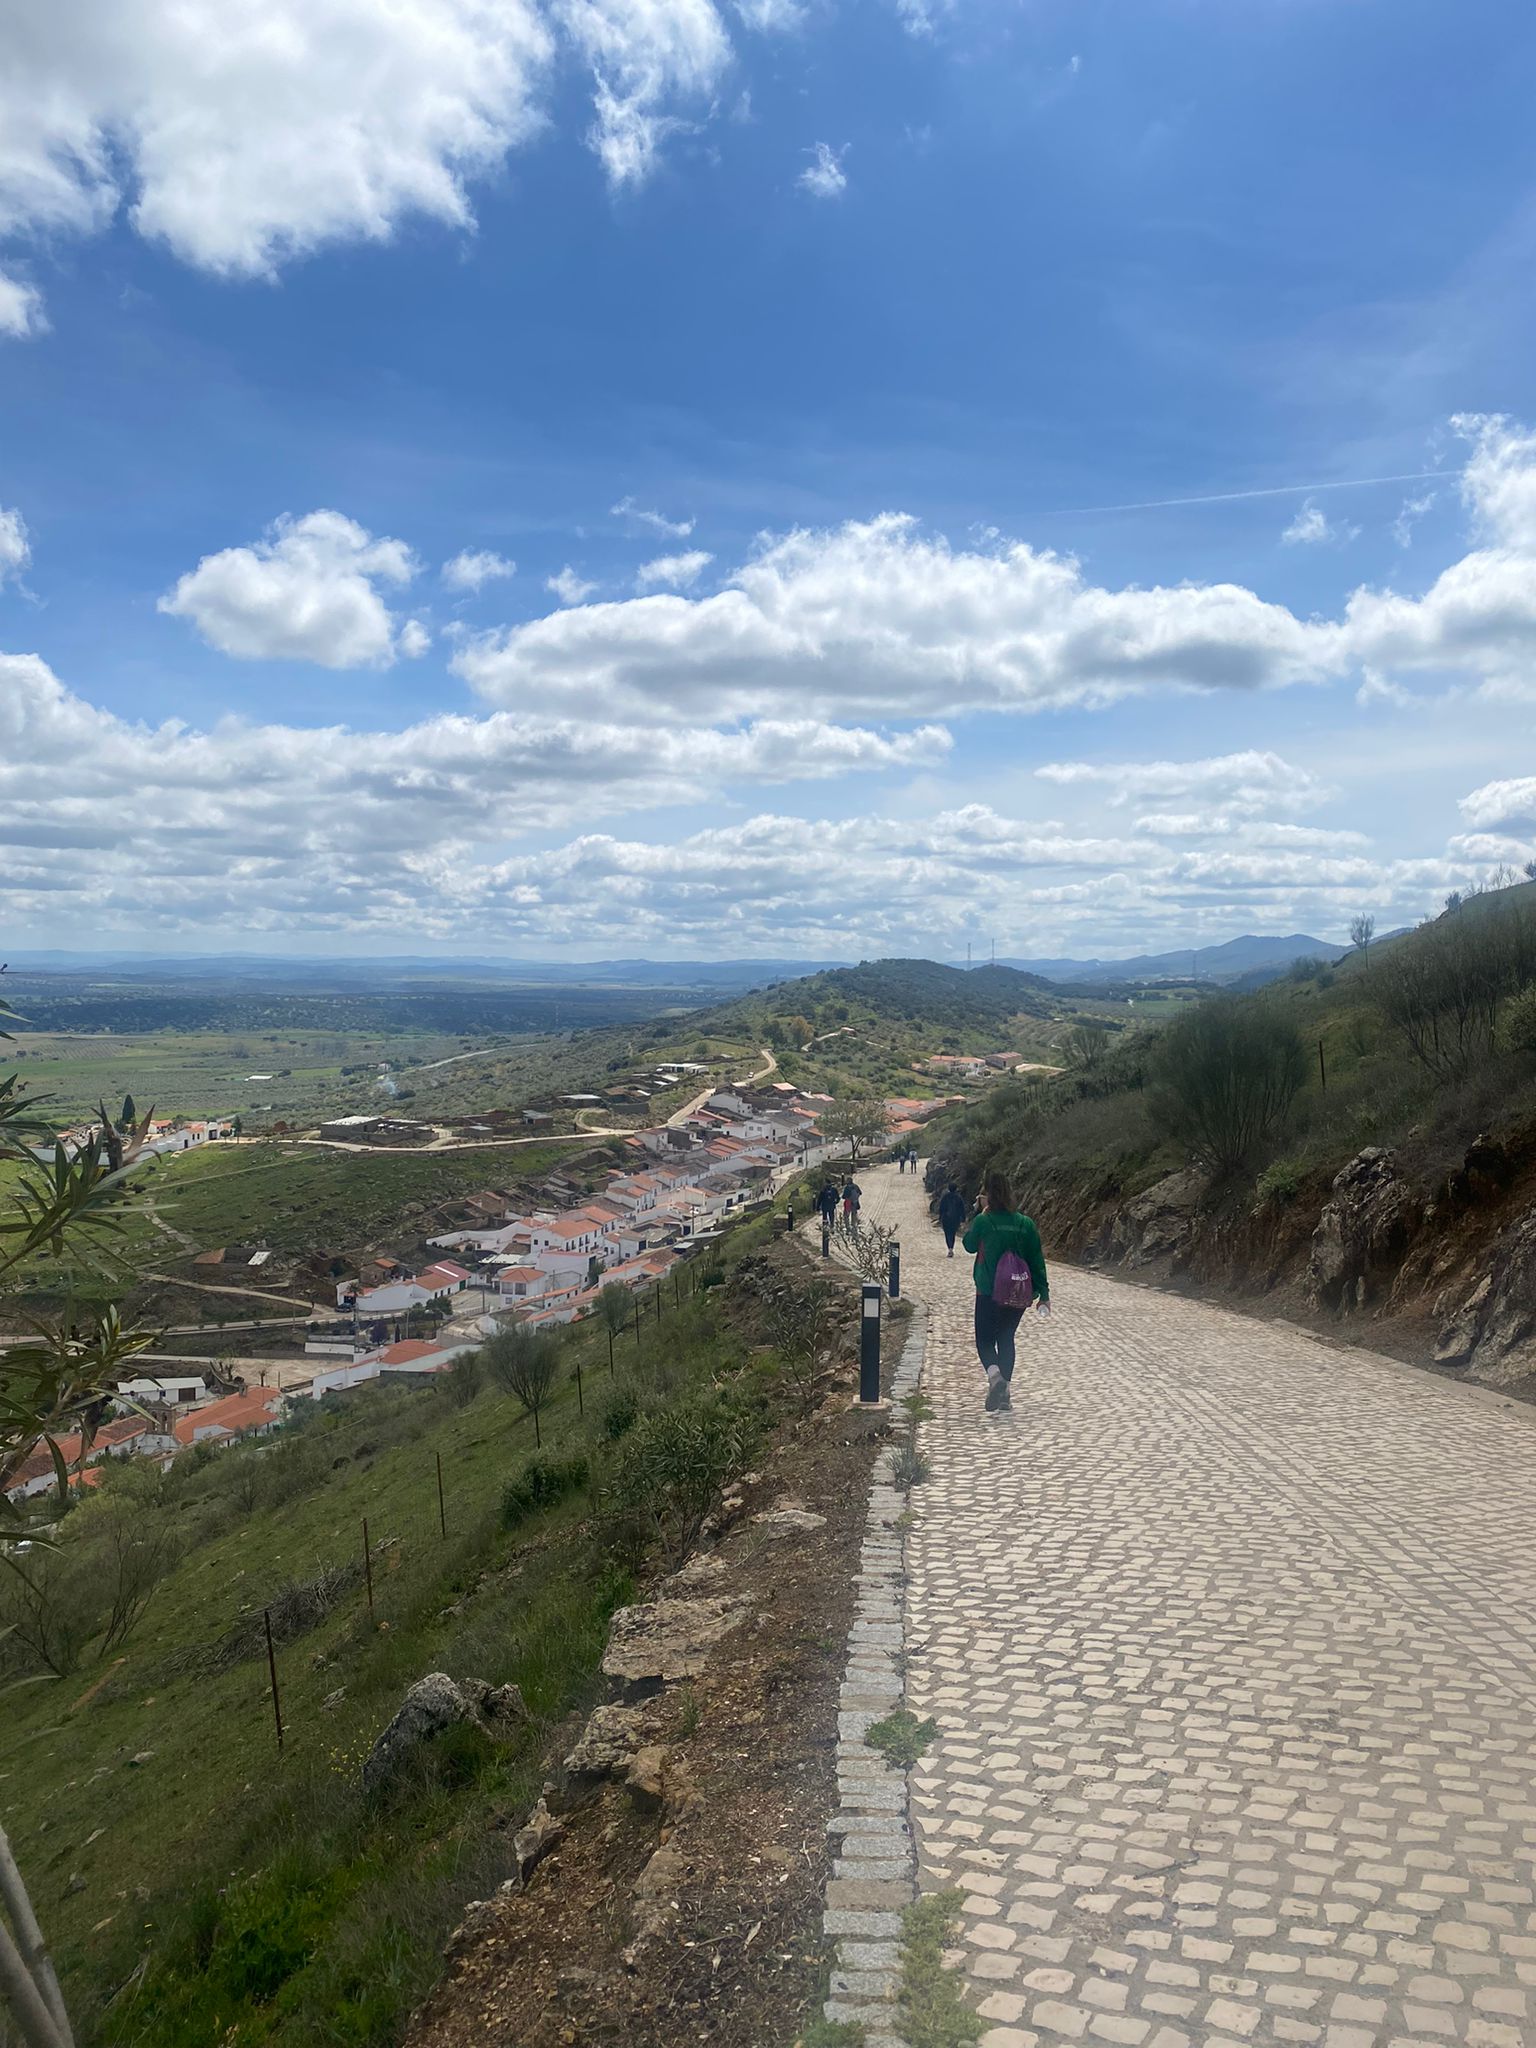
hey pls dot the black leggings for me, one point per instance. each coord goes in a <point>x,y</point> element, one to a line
<point>996,1328</point>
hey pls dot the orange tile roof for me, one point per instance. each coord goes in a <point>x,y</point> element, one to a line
<point>233,1415</point>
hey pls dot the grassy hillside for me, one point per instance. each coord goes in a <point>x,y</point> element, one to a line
<point>1421,1045</point>
<point>303,1201</point>
<point>866,1026</point>
<point>201,1885</point>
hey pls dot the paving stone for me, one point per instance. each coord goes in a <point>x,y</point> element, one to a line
<point>1230,1637</point>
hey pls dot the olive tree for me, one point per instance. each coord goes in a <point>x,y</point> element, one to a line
<point>526,1363</point>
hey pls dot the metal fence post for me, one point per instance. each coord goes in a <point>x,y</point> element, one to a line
<point>869,1345</point>
<point>895,1269</point>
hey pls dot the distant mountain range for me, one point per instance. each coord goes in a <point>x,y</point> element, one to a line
<point>1234,960</point>
<point>391,970</point>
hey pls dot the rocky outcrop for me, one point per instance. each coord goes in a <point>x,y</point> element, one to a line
<point>665,1640</point>
<point>1158,1224</point>
<point>1360,1237</point>
<point>1491,1333</point>
<point>432,1705</point>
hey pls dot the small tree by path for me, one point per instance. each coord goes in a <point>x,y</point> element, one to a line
<point>857,1121</point>
<point>526,1363</point>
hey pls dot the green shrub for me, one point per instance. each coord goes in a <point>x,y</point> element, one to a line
<point>620,1413</point>
<point>1279,1183</point>
<point>673,1466</point>
<point>541,1484</point>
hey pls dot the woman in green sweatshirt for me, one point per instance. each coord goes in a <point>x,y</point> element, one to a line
<point>997,1229</point>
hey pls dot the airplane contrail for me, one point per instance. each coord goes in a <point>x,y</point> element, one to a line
<point>1352,483</point>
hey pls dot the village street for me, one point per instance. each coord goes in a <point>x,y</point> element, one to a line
<point>1229,1639</point>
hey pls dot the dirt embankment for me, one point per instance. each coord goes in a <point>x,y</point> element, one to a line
<point>676,1877</point>
<point>1433,1263</point>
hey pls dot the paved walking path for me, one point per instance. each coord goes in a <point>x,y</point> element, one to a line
<point>1231,1642</point>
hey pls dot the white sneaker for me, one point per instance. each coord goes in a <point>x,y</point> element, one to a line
<point>997,1389</point>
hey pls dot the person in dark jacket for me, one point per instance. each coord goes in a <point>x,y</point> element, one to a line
<point>853,1194</point>
<point>997,1229</point>
<point>951,1215</point>
<point>826,1202</point>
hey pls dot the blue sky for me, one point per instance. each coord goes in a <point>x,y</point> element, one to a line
<point>796,345</point>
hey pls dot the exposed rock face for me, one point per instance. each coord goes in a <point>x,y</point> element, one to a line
<point>655,1906</point>
<point>433,1704</point>
<point>788,1518</point>
<point>608,1743</point>
<point>535,1838</point>
<point>1158,1224</point>
<point>646,1781</point>
<point>665,1640</point>
<point>1493,1331</point>
<point>1362,1231</point>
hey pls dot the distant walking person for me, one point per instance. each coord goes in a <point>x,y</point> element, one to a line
<point>853,1194</point>
<point>826,1202</point>
<point>1010,1273</point>
<point>951,1215</point>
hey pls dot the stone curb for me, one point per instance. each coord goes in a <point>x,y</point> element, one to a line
<point>874,1872</point>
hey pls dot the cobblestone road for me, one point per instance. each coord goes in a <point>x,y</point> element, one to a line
<point>1229,1637</point>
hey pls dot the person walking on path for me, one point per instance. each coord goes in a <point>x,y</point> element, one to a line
<point>853,1194</point>
<point>998,1231</point>
<point>951,1215</point>
<point>826,1202</point>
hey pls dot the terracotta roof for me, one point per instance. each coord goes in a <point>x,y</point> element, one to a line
<point>412,1348</point>
<point>232,1416</point>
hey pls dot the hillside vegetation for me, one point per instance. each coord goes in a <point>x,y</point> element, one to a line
<point>201,1883</point>
<point>1213,1149</point>
<point>866,1026</point>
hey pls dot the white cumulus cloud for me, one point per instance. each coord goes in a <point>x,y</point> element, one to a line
<point>243,137</point>
<point>569,587</point>
<point>273,827</point>
<point>1510,802</point>
<point>824,176</point>
<point>310,591</point>
<point>1249,782</point>
<point>679,572</point>
<point>475,567</point>
<point>899,625</point>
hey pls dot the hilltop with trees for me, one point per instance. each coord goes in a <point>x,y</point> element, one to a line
<point>1357,1139</point>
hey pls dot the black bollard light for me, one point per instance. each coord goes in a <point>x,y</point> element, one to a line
<point>826,1238</point>
<point>869,1346</point>
<point>895,1269</point>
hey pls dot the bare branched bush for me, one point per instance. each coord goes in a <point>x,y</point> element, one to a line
<point>866,1246</point>
<point>1443,988</point>
<point>1224,1075</point>
<point>801,1324</point>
